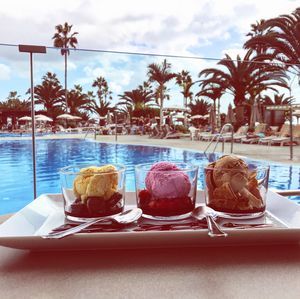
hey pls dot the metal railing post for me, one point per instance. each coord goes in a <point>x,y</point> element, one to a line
<point>223,141</point>
<point>291,133</point>
<point>42,50</point>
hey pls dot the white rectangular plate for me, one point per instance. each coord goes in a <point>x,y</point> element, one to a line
<point>23,229</point>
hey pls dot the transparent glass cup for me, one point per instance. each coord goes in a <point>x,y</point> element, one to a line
<point>92,193</point>
<point>237,194</point>
<point>166,195</point>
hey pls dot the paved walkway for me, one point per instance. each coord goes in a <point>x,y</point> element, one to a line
<point>261,152</point>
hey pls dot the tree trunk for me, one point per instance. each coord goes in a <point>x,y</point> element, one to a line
<point>219,115</point>
<point>213,125</point>
<point>240,117</point>
<point>161,116</point>
<point>66,84</point>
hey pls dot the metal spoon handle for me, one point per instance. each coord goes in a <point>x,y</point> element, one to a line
<point>213,228</point>
<point>72,230</point>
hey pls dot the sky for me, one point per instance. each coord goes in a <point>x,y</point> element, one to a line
<point>194,28</point>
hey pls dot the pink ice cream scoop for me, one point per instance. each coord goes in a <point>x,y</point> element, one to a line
<point>166,180</point>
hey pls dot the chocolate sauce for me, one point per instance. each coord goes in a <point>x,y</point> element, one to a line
<point>142,224</point>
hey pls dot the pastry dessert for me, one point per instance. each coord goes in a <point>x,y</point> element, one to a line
<point>232,187</point>
<point>166,191</point>
<point>96,192</point>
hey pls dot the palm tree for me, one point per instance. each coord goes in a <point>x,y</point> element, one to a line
<point>103,108</point>
<point>256,28</point>
<point>78,100</point>
<point>199,107</point>
<point>13,95</point>
<point>213,89</point>
<point>184,80</point>
<point>13,103</point>
<point>104,95</point>
<point>275,117</point>
<point>161,74</point>
<point>279,36</point>
<point>137,100</point>
<point>277,99</point>
<point>49,94</point>
<point>103,91</point>
<point>64,39</point>
<point>13,107</point>
<point>244,78</point>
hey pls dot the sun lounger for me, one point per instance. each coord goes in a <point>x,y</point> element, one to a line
<point>169,133</point>
<point>250,140</point>
<point>175,135</point>
<point>285,139</point>
<point>225,137</point>
<point>237,136</point>
<point>278,137</point>
<point>260,129</point>
<point>240,133</point>
<point>265,140</point>
<point>280,140</point>
<point>193,133</point>
<point>74,130</point>
<point>207,136</point>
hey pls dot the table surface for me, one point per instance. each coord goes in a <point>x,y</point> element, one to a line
<point>219,272</point>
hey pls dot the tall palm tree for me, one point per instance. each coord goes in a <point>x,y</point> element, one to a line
<point>13,95</point>
<point>213,89</point>
<point>161,74</point>
<point>102,107</point>
<point>50,94</point>
<point>103,91</point>
<point>137,100</point>
<point>244,78</point>
<point>64,39</point>
<point>184,80</point>
<point>78,101</point>
<point>256,30</point>
<point>280,36</point>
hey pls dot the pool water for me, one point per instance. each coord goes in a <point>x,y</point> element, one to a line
<point>16,183</point>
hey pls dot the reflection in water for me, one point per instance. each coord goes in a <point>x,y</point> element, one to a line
<point>16,175</point>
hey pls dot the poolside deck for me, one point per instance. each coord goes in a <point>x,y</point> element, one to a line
<point>261,152</point>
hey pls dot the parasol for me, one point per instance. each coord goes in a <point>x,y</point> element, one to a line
<point>255,115</point>
<point>230,117</point>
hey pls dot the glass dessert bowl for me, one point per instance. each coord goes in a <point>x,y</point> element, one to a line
<point>165,190</point>
<point>236,189</point>
<point>92,191</point>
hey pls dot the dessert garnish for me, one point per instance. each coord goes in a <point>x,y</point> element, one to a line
<point>96,191</point>
<point>167,191</point>
<point>232,187</point>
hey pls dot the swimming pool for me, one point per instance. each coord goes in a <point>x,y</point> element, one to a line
<point>16,165</point>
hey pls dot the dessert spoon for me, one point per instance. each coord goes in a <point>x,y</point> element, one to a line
<point>125,217</point>
<point>214,229</point>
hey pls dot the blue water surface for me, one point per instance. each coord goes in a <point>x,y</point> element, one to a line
<point>16,183</point>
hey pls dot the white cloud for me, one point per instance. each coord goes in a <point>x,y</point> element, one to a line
<point>5,72</point>
<point>191,27</point>
<point>136,25</point>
